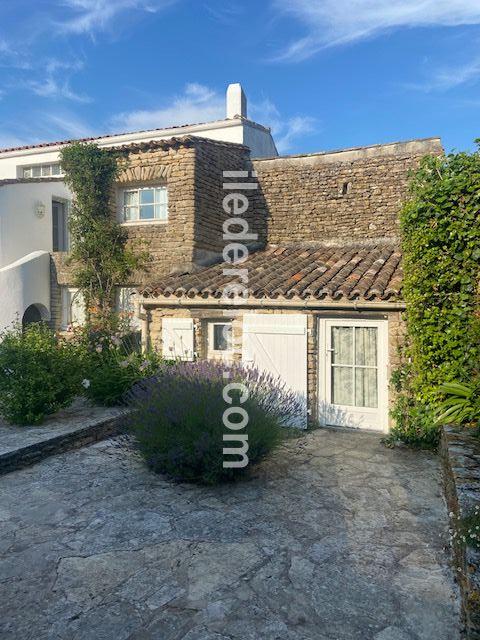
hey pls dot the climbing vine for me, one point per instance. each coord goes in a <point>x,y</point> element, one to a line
<point>100,257</point>
<point>440,227</point>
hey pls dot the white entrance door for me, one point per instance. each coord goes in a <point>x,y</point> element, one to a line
<point>277,343</point>
<point>353,359</point>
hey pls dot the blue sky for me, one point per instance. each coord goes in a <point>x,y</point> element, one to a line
<point>324,74</point>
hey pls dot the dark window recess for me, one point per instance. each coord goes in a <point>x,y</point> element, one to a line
<point>346,188</point>
<point>59,226</point>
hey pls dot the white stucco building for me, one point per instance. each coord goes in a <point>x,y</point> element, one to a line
<point>34,203</point>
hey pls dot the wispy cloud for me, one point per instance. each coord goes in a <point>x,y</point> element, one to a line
<point>197,103</point>
<point>285,131</point>
<point>226,12</point>
<point>446,78</point>
<point>91,16</point>
<point>67,125</point>
<point>12,58</point>
<point>335,22</point>
<point>56,82</point>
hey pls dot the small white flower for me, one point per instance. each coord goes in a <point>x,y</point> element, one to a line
<point>451,514</point>
<point>99,348</point>
<point>85,383</point>
<point>124,364</point>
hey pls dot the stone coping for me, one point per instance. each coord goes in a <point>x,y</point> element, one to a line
<point>460,452</point>
<point>73,427</point>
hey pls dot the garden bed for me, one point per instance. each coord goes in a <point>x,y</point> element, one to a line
<point>76,426</point>
<point>461,462</point>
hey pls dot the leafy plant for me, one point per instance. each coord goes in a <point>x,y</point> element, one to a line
<point>178,417</point>
<point>39,374</point>
<point>112,360</point>
<point>99,254</point>
<point>462,404</point>
<point>440,229</point>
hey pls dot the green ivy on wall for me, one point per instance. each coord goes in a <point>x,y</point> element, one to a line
<point>440,227</point>
<point>99,254</point>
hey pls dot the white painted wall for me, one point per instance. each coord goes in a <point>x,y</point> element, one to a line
<point>236,130</point>
<point>21,231</point>
<point>25,282</point>
<point>261,145</point>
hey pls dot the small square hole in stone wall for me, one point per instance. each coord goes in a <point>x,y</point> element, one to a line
<point>345,188</point>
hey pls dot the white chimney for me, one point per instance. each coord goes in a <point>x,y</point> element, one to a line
<point>236,101</point>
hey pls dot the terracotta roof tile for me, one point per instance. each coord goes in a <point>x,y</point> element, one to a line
<point>306,271</point>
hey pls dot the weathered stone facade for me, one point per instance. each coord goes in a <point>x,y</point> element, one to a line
<point>338,197</point>
<point>349,194</point>
<point>201,316</point>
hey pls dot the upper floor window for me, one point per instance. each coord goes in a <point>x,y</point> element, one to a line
<point>145,203</point>
<point>42,170</point>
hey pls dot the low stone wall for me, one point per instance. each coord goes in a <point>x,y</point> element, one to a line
<point>460,453</point>
<point>23,446</point>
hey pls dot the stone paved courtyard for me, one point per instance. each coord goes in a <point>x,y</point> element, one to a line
<point>336,538</point>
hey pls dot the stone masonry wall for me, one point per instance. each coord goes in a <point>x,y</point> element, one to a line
<point>201,316</point>
<point>211,161</point>
<point>351,194</point>
<point>169,243</point>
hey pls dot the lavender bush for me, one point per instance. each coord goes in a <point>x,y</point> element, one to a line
<point>177,418</point>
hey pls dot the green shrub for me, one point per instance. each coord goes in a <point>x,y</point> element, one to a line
<point>177,420</point>
<point>39,374</point>
<point>112,362</point>
<point>440,228</point>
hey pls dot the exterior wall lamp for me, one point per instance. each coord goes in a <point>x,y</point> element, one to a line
<point>39,210</point>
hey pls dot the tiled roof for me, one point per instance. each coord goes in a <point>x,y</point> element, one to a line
<point>157,131</point>
<point>306,271</point>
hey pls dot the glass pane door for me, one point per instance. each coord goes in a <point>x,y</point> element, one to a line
<point>354,366</point>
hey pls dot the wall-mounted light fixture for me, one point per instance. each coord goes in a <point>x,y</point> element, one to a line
<point>40,210</point>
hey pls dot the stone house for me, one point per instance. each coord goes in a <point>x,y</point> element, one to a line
<point>321,305</point>
<point>315,294</point>
<point>35,204</point>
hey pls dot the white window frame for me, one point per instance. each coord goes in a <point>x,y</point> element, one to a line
<point>68,296</point>
<point>211,338</point>
<point>45,171</point>
<point>138,220</point>
<point>378,414</point>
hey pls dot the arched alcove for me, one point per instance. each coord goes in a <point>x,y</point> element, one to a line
<point>34,313</point>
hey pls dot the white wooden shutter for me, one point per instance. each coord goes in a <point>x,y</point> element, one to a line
<point>177,338</point>
<point>277,343</point>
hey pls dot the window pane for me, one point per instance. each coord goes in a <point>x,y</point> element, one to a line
<point>56,170</point>
<point>366,388</point>
<point>46,170</point>
<point>160,212</point>
<point>130,213</point>
<point>27,172</point>
<point>130,197</point>
<point>342,345</point>
<point>342,386</point>
<point>146,196</point>
<point>222,337</point>
<point>146,211</point>
<point>161,195</point>
<point>36,172</point>
<point>366,346</point>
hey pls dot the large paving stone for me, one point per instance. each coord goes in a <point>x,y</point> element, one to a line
<point>334,538</point>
